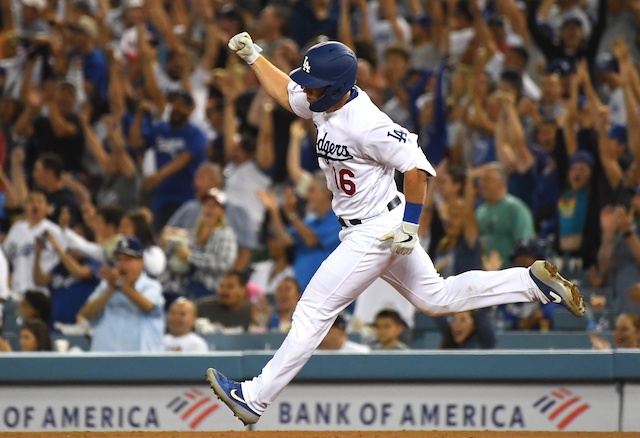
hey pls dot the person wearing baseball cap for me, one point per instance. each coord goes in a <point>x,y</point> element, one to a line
<point>575,215</point>
<point>212,247</point>
<point>127,306</point>
<point>84,37</point>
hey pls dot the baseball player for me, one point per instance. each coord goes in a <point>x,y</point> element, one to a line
<point>358,149</point>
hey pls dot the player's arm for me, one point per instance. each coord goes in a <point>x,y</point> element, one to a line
<point>415,186</point>
<point>272,79</point>
<point>406,235</point>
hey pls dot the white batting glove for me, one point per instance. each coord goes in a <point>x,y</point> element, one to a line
<point>244,47</point>
<point>404,238</point>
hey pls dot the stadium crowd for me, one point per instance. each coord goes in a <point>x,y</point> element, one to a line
<point>150,187</point>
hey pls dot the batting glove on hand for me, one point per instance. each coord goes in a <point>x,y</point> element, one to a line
<point>244,47</point>
<point>404,238</point>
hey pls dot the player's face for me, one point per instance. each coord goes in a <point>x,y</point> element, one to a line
<point>181,318</point>
<point>625,334</point>
<point>387,330</point>
<point>28,341</point>
<point>462,326</point>
<point>314,94</point>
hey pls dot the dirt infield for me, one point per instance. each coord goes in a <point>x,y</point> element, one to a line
<point>335,434</point>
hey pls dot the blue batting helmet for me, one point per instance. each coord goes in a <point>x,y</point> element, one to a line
<point>332,65</point>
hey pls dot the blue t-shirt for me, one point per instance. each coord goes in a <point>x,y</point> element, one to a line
<point>96,71</point>
<point>68,293</point>
<point>548,190</point>
<point>524,186</point>
<point>308,259</point>
<point>168,143</point>
<point>572,212</point>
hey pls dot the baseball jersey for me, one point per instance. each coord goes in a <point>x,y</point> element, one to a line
<point>358,148</point>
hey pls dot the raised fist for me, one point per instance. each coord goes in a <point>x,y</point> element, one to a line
<point>244,47</point>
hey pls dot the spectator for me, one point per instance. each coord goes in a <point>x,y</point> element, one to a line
<point>574,207</point>
<point>4,286</point>
<point>268,274</point>
<point>313,237</point>
<point>19,245</point>
<point>230,307</point>
<point>179,148</point>
<point>70,283</point>
<point>619,255</point>
<point>138,224</point>
<point>83,40</point>
<point>209,176</point>
<point>180,323</point>
<point>211,250</point>
<point>627,331</point>
<point>120,181</point>
<point>287,296</point>
<point>127,306</point>
<point>503,219</point>
<point>625,335</point>
<point>527,316</point>
<point>34,336</point>
<point>313,18</point>
<point>104,224</point>
<point>389,327</point>
<point>512,151</point>
<point>572,44</point>
<point>336,339</point>
<point>467,330</point>
<point>459,249</point>
<point>59,132</point>
<point>47,176</point>
<point>272,21</point>
<point>35,305</point>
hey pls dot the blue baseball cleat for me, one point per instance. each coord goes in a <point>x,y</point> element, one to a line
<point>557,288</point>
<point>230,392</point>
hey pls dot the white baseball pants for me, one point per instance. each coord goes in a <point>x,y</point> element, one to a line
<point>359,259</point>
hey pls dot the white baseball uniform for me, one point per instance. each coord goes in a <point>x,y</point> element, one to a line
<point>358,148</point>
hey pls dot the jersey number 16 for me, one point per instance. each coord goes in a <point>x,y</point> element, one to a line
<point>343,182</point>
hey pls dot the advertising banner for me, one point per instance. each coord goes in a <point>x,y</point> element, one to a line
<point>445,407</point>
<point>103,408</point>
<point>631,407</point>
<point>323,407</point>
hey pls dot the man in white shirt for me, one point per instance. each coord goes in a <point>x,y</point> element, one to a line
<point>180,322</point>
<point>19,246</point>
<point>337,340</point>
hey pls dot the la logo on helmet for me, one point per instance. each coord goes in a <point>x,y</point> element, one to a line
<point>305,65</point>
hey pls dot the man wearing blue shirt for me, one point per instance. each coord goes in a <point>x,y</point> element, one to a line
<point>127,305</point>
<point>315,236</point>
<point>95,72</point>
<point>179,149</point>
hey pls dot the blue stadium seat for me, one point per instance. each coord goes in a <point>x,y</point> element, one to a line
<point>523,340</point>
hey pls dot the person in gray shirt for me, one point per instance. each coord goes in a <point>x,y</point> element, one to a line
<point>208,176</point>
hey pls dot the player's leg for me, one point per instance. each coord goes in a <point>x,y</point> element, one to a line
<point>344,275</point>
<point>415,277</point>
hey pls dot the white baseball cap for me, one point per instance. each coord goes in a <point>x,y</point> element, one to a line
<point>134,3</point>
<point>218,195</point>
<point>40,5</point>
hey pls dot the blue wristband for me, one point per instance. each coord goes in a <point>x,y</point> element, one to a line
<point>412,212</point>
